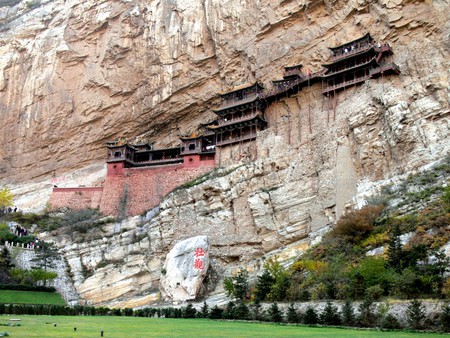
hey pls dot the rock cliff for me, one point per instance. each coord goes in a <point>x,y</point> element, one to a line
<point>73,75</point>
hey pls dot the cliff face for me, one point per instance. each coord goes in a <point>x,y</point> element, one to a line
<point>76,74</point>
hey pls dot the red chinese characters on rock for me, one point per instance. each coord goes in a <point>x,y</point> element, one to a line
<point>198,261</point>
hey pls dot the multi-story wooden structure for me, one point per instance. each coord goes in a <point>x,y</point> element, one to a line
<point>294,79</point>
<point>355,62</point>
<point>124,155</point>
<point>240,116</point>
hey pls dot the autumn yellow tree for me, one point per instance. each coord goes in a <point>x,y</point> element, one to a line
<point>6,198</point>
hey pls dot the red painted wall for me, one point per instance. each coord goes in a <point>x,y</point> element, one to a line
<point>76,198</point>
<point>141,189</point>
<point>132,191</point>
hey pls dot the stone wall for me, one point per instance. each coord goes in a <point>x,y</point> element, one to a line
<point>141,189</point>
<point>76,198</point>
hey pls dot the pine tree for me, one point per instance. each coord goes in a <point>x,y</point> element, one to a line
<point>264,285</point>
<point>310,316</point>
<point>330,315</point>
<point>189,311</point>
<point>292,315</point>
<point>229,312</point>
<point>348,314</point>
<point>275,313</point>
<point>204,313</point>
<point>45,256</point>
<point>415,314</point>
<point>215,313</point>
<point>241,311</point>
<point>395,251</point>
<point>445,318</point>
<point>257,313</point>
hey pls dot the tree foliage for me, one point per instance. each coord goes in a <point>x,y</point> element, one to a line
<point>6,198</point>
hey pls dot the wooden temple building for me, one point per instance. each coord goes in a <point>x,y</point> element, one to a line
<point>355,62</point>
<point>241,114</point>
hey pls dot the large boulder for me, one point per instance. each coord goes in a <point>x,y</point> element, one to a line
<point>184,270</point>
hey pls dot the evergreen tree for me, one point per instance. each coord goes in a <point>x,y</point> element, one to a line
<point>45,256</point>
<point>292,315</point>
<point>415,314</point>
<point>330,315</point>
<point>189,311</point>
<point>257,313</point>
<point>348,314</point>
<point>204,313</point>
<point>215,313</point>
<point>310,316</point>
<point>241,311</point>
<point>237,286</point>
<point>229,312</point>
<point>445,318</point>
<point>395,252</point>
<point>275,314</point>
<point>367,316</point>
<point>264,285</point>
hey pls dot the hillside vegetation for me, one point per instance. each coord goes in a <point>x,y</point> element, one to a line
<point>392,247</point>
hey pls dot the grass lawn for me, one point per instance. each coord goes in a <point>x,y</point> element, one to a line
<point>30,297</point>
<point>130,327</point>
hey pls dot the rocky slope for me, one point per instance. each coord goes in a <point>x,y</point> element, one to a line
<point>76,74</point>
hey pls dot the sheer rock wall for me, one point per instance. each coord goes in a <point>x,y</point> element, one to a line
<point>73,75</point>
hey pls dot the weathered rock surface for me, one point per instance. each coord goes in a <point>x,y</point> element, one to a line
<point>185,269</point>
<point>73,75</point>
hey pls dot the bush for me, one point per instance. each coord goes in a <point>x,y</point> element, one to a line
<point>415,314</point>
<point>445,318</point>
<point>215,313</point>
<point>189,311</point>
<point>390,322</point>
<point>355,225</point>
<point>275,314</point>
<point>241,311</point>
<point>367,316</point>
<point>330,315</point>
<point>348,314</point>
<point>310,316</point>
<point>292,315</point>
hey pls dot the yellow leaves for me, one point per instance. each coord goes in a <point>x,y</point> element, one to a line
<point>308,265</point>
<point>6,198</point>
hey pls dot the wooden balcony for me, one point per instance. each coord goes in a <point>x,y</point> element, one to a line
<point>295,72</point>
<point>158,162</point>
<point>236,120</point>
<point>360,49</point>
<point>345,84</point>
<point>237,102</point>
<point>246,137</point>
<point>346,69</point>
<point>389,68</point>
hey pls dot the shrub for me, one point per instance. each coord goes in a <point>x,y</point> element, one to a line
<point>415,314</point>
<point>241,311</point>
<point>348,314</point>
<point>230,310</point>
<point>445,318</point>
<point>390,322</point>
<point>367,316</point>
<point>215,313</point>
<point>189,311</point>
<point>237,286</point>
<point>355,225</point>
<point>375,292</point>
<point>275,314</point>
<point>310,316</point>
<point>330,315</point>
<point>292,315</point>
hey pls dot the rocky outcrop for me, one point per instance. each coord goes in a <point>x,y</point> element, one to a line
<point>146,69</point>
<point>185,269</point>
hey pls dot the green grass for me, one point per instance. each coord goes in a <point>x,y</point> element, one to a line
<point>130,327</point>
<point>30,297</point>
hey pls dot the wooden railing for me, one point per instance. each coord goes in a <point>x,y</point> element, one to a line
<point>356,50</point>
<point>348,68</point>
<point>235,102</point>
<point>222,122</point>
<point>345,84</point>
<point>236,139</point>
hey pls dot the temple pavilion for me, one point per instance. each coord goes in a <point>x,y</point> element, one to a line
<point>240,116</point>
<point>355,62</point>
